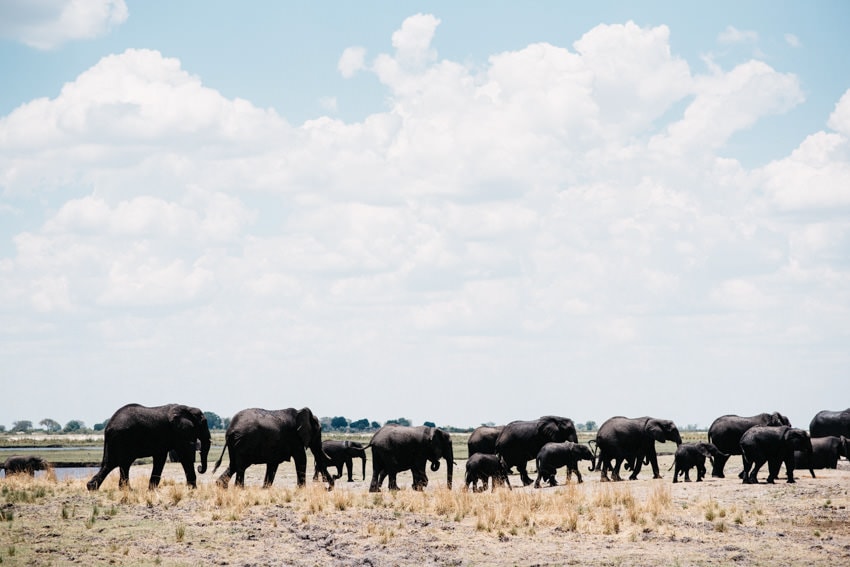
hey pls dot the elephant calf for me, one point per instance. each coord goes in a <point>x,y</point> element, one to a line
<point>27,465</point>
<point>775,446</point>
<point>552,456</point>
<point>342,454</point>
<point>689,455</point>
<point>482,466</point>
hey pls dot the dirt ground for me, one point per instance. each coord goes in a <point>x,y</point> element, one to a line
<point>643,522</point>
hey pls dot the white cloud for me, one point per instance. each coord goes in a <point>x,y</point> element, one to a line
<point>733,35</point>
<point>793,40</point>
<point>553,207</point>
<point>47,24</point>
<point>351,61</point>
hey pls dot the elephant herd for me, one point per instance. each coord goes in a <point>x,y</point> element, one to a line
<point>270,437</point>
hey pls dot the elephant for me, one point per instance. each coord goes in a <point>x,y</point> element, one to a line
<point>397,448</point>
<point>484,466</point>
<point>726,431</point>
<point>342,453</point>
<point>774,445</point>
<point>552,456</point>
<point>689,455</point>
<point>136,431</point>
<point>828,423</point>
<point>826,451</point>
<point>632,439</point>
<point>520,441</point>
<point>262,436</point>
<point>483,439</point>
<point>17,464</point>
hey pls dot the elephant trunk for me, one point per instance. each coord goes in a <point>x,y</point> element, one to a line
<point>449,466</point>
<point>205,449</point>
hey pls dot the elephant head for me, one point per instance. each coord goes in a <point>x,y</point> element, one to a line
<point>557,429</point>
<point>663,430</point>
<point>310,431</point>
<point>777,419</point>
<point>190,425</point>
<point>844,448</point>
<point>797,439</point>
<point>709,450</point>
<point>439,446</point>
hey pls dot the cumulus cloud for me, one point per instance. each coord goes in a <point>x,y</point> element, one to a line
<point>554,203</point>
<point>733,35</point>
<point>47,24</point>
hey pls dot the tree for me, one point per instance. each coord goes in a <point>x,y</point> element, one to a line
<point>339,422</point>
<point>74,426</point>
<point>22,426</point>
<point>2,428</point>
<point>225,422</point>
<point>213,420</point>
<point>590,426</point>
<point>376,425</point>
<point>398,421</point>
<point>100,426</point>
<point>429,424</point>
<point>50,425</point>
<point>359,425</point>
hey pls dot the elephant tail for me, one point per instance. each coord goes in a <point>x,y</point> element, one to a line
<point>220,457</point>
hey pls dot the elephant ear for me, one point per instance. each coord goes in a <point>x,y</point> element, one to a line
<point>546,429</point>
<point>180,418</point>
<point>306,425</point>
<point>654,429</point>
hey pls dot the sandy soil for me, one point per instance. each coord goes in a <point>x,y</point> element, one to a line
<point>643,522</point>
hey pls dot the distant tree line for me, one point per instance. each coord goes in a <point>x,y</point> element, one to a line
<point>214,421</point>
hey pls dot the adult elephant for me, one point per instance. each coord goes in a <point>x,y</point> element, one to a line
<point>483,439</point>
<point>520,441</point>
<point>775,446</point>
<point>261,436</point>
<point>826,451</point>
<point>828,423</point>
<point>341,454</point>
<point>20,464</point>
<point>136,431</point>
<point>633,440</point>
<point>397,448</point>
<point>726,431</point>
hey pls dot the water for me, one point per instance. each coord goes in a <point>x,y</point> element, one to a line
<point>65,473</point>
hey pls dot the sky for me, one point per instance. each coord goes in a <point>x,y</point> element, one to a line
<point>459,212</point>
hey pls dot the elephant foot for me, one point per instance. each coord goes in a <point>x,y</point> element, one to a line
<point>373,489</point>
<point>675,480</point>
<point>656,476</point>
<point>718,475</point>
<point>604,478</point>
<point>791,481</point>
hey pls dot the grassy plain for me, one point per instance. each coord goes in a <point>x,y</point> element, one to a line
<point>643,522</point>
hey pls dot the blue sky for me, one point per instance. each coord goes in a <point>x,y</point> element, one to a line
<point>457,212</point>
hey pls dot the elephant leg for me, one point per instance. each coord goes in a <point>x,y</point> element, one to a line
<point>523,474</point>
<point>224,479</point>
<point>271,471</point>
<point>615,472</point>
<point>156,472</point>
<point>375,484</point>
<point>717,467</point>
<point>700,472</point>
<point>653,460</point>
<point>688,474</point>
<point>100,476</point>
<point>189,470</point>
<point>338,472</point>
<point>349,465</point>
<point>240,478</point>
<point>392,484</point>
<point>579,479</point>
<point>124,475</point>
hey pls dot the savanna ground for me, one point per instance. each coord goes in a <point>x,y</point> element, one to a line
<point>643,522</point>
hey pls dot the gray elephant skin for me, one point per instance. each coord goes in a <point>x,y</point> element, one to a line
<point>483,439</point>
<point>520,441</point>
<point>826,451</point>
<point>261,436</point>
<point>484,467</point>
<point>726,431</point>
<point>690,455</point>
<point>632,440</point>
<point>775,446</point>
<point>341,454</point>
<point>830,423</point>
<point>24,464</point>
<point>136,431</point>
<point>553,456</point>
<point>397,448</point>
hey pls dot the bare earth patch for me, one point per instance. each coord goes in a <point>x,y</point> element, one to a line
<point>644,522</point>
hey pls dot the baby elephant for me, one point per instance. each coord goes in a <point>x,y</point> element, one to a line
<point>690,455</point>
<point>552,456</point>
<point>482,466</point>
<point>28,465</point>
